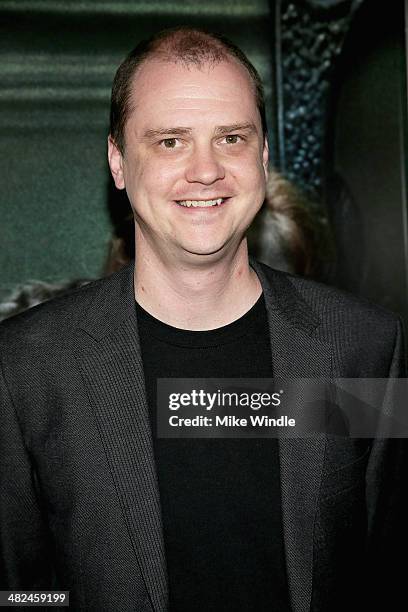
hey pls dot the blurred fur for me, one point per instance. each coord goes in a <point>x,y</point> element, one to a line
<point>33,293</point>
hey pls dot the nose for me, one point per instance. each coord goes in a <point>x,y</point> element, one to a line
<point>204,166</point>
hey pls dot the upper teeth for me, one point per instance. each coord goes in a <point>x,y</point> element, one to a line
<point>200,202</point>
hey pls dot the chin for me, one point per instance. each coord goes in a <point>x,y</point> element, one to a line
<point>215,247</point>
<point>205,253</point>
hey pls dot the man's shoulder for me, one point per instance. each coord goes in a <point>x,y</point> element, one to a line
<point>61,315</point>
<point>330,305</point>
<point>365,340</point>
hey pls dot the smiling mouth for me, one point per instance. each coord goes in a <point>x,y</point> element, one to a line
<point>201,203</point>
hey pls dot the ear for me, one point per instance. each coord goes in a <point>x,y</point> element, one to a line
<point>115,160</point>
<point>265,157</point>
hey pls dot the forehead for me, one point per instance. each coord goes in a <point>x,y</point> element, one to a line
<point>164,91</point>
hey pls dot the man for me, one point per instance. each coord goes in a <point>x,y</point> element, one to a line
<point>93,501</point>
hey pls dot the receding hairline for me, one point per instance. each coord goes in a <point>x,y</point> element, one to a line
<point>189,45</point>
<point>153,59</point>
<point>175,48</point>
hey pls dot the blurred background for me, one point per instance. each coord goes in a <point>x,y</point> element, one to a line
<point>335,80</point>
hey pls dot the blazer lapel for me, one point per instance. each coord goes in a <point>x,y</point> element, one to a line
<point>296,353</point>
<point>110,360</point>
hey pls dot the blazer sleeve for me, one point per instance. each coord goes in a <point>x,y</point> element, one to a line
<point>387,509</point>
<point>25,543</point>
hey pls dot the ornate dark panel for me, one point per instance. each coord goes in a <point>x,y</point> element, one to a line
<point>309,37</point>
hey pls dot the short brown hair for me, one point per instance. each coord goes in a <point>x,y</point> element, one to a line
<point>183,44</point>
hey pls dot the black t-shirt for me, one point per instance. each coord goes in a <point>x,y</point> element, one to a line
<point>220,498</point>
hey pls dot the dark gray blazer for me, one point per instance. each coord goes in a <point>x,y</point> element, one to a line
<point>79,504</point>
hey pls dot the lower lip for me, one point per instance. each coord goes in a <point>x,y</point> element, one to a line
<point>202,208</point>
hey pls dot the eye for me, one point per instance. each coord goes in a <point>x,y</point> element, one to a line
<point>169,143</point>
<point>233,139</point>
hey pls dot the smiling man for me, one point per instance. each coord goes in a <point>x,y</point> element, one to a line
<point>193,157</point>
<point>93,500</point>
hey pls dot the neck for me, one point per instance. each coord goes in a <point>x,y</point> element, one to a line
<point>196,295</point>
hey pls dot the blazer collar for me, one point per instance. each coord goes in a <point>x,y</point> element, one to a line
<point>109,357</point>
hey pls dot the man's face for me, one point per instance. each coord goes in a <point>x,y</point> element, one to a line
<point>195,161</point>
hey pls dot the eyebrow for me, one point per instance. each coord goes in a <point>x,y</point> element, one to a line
<point>219,130</point>
<point>235,127</point>
<point>166,131</point>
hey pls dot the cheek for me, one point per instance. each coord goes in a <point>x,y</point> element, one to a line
<point>249,173</point>
<point>158,179</point>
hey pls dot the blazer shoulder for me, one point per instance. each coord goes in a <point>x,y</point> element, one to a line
<point>366,340</point>
<point>57,317</point>
<point>332,304</point>
<point>328,299</point>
